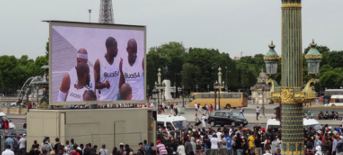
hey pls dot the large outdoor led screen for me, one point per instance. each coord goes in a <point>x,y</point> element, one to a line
<point>96,62</point>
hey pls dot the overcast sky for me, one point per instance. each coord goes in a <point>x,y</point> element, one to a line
<point>232,26</point>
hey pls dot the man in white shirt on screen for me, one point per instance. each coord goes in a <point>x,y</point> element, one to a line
<point>78,90</point>
<point>107,74</point>
<point>71,78</point>
<point>133,70</point>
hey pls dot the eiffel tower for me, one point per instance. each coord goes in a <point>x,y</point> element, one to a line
<point>106,12</point>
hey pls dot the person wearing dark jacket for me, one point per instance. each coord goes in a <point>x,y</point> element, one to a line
<point>188,148</point>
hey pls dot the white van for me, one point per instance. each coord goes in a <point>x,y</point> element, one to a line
<point>10,124</point>
<point>172,123</point>
<point>336,100</point>
<point>275,124</point>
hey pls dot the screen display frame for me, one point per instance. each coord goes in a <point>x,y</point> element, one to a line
<point>53,23</point>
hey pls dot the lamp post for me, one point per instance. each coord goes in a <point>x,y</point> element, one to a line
<point>218,85</point>
<point>183,101</point>
<point>290,94</point>
<point>227,82</point>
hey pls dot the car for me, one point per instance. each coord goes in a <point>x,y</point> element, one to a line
<point>172,123</point>
<point>336,100</point>
<point>307,122</point>
<point>227,118</point>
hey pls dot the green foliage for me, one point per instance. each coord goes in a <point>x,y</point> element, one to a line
<point>332,78</point>
<point>190,75</point>
<point>14,72</point>
<point>199,66</point>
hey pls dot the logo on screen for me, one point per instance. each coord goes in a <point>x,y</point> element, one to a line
<point>133,75</point>
<point>75,95</point>
<point>112,74</point>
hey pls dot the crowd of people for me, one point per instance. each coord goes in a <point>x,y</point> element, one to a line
<point>17,146</point>
<point>328,116</point>
<point>202,139</point>
<point>244,141</point>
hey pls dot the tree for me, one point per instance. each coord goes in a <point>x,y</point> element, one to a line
<point>190,75</point>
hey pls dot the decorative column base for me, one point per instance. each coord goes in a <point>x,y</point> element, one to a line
<point>292,129</point>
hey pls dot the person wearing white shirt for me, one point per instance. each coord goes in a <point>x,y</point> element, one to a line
<point>181,150</point>
<point>7,151</point>
<point>214,144</point>
<point>103,150</point>
<point>22,144</point>
<point>203,121</point>
<point>267,153</point>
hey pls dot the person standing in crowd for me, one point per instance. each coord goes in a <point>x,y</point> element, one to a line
<point>161,148</point>
<point>214,144</point>
<point>93,150</point>
<point>181,149</point>
<point>196,107</point>
<point>335,139</point>
<point>103,150</point>
<point>203,121</point>
<point>267,152</point>
<point>251,143</point>
<point>133,70</point>
<point>257,112</point>
<point>22,144</point>
<point>115,151</point>
<point>7,151</point>
<point>46,146</point>
<point>147,148</point>
<point>9,142</point>
<point>276,144</point>
<point>238,144</point>
<point>107,72</point>
<point>241,111</point>
<point>193,144</point>
<point>211,108</point>
<point>188,147</point>
<point>141,150</point>
<point>58,146</point>
<point>258,145</point>
<point>228,142</point>
<point>319,151</point>
<point>339,147</point>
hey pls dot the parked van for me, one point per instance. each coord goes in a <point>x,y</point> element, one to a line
<point>172,123</point>
<point>275,124</point>
<point>2,117</point>
<point>336,100</point>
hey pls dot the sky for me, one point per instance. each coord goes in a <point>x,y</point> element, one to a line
<point>237,27</point>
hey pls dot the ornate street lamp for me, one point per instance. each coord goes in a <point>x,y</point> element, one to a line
<point>271,59</point>
<point>313,59</point>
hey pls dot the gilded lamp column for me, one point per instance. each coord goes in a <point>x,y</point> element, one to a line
<point>291,79</point>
